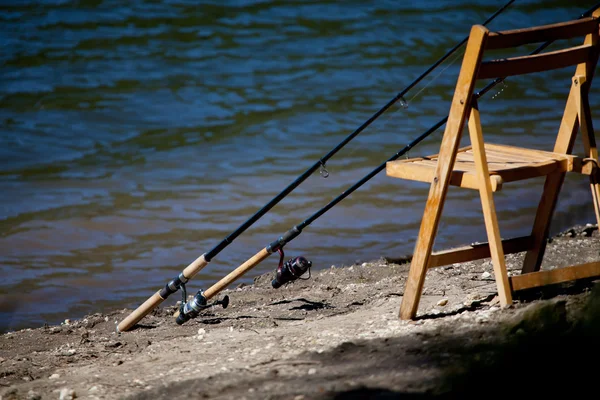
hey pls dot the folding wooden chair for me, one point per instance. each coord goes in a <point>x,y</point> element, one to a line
<point>487,167</point>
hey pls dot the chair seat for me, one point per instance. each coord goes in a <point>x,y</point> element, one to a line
<point>505,164</point>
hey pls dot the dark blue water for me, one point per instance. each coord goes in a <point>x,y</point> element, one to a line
<point>134,136</point>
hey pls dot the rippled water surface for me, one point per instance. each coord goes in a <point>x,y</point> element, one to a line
<point>135,136</point>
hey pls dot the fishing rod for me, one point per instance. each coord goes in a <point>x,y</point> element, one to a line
<point>295,267</point>
<point>197,265</point>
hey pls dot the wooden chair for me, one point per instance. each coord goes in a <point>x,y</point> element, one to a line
<point>487,167</point>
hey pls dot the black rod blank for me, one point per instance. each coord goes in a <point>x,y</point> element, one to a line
<point>321,162</point>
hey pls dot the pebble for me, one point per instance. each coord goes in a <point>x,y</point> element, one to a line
<point>31,395</point>
<point>67,394</point>
<point>67,321</point>
<point>68,352</point>
<point>442,302</point>
<point>486,275</point>
<point>312,371</point>
<point>54,376</point>
<point>93,389</point>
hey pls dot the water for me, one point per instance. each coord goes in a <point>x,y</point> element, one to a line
<point>136,135</point>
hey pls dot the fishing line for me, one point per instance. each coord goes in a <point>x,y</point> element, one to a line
<point>197,265</point>
<point>403,104</point>
<point>192,308</point>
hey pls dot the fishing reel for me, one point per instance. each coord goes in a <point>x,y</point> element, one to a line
<point>192,308</point>
<point>291,270</point>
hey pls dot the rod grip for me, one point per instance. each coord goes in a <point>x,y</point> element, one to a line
<point>236,273</point>
<point>156,298</point>
<point>140,312</point>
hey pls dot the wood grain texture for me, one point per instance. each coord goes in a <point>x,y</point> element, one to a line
<point>565,140</point>
<point>553,276</point>
<point>502,68</point>
<point>542,33</point>
<point>457,116</point>
<point>477,251</point>
<point>489,208</point>
<point>589,141</point>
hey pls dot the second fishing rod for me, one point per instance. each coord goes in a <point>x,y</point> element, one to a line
<point>295,267</point>
<point>197,265</point>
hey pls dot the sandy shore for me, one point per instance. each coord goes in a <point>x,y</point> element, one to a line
<point>334,336</point>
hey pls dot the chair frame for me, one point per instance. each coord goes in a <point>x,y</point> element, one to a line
<point>464,107</point>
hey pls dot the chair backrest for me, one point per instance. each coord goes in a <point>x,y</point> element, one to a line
<point>583,55</point>
<point>474,67</point>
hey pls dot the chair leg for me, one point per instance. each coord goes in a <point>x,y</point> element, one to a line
<point>541,224</point>
<point>589,140</point>
<point>595,186</point>
<point>489,208</point>
<point>553,184</point>
<point>420,261</point>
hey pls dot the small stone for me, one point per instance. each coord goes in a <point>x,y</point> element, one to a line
<point>31,395</point>
<point>364,264</point>
<point>67,321</point>
<point>67,394</point>
<point>105,319</point>
<point>93,389</point>
<point>442,302</point>
<point>486,275</point>
<point>312,371</point>
<point>68,352</point>
<point>201,333</point>
<point>54,376</point>
<point>299,397</point>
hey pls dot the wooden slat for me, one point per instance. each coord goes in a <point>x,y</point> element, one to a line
<point>421,172</point>
<point>508,149</point>
<point>535,63</point>
<point>477,251</point>
<point>538,34</point>
<point>553,276</point>
<point>532,171</point>
<point>499,158</point>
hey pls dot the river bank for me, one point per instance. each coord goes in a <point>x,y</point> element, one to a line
<point>334,336</point>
